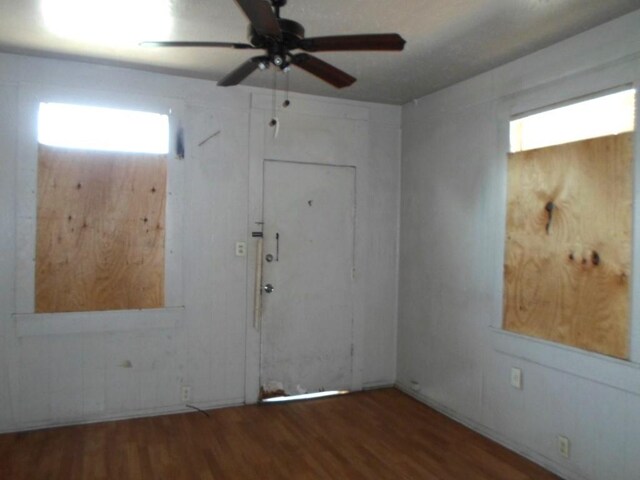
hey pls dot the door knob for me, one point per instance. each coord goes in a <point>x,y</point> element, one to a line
<point>268,288</point>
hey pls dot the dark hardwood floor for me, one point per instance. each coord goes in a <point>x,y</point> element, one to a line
<point>382,434</point>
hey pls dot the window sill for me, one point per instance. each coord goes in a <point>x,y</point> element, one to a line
<point>33,324</point>
<point>620,374</point>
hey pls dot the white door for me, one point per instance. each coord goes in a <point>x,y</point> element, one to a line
<point>308,259</point>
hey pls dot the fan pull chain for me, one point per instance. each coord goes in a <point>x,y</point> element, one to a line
<point>286,102</point>
<point>275,89</point>
<point>274,119</point>
<point>275,122</point>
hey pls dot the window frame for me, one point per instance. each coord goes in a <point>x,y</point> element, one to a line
<point>27,321</point>
<point>620,374</point>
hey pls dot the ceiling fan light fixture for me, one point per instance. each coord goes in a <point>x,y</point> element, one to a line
<point>280,37</point>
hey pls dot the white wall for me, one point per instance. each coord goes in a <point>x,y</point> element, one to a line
<point>452,234</point>
<point>68,369</point>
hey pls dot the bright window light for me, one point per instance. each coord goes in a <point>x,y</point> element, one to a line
<point>96,128</point>
<point>598,117</point>
<point>113,22</point>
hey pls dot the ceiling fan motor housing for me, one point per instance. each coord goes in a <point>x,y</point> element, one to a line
<point>292,34</point>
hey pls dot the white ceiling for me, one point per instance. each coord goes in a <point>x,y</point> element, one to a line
<point>447,40</point>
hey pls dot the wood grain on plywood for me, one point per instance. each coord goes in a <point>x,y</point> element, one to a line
<point>100,230</point>
<point>568,245</point>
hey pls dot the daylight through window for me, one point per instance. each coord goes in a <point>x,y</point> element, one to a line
<point>597,117</point>
<point>107,129</point>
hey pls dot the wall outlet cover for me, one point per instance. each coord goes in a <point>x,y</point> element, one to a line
<point>186,393</point>
<point>564,446</point>
<point>516,378</point>
<point>241,249</point>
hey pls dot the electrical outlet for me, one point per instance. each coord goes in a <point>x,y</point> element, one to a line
<point>516,378</point>
<point>564,446</point>
<point>186,393</point>
<point>241,249</point>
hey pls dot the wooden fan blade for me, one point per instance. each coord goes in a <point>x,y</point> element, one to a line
<point>262,17</point>
<point>242,72</point>
<point>323,70</point>
<point>240,46</point>
<point>378,41</point>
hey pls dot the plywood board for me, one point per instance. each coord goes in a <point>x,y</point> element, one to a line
<point>100,230</point>
<point>568,246</point>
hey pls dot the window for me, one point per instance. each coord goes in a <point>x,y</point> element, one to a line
<point>569,223</point>
<point>597,117</point>
<point>101,195</point>
<point>106,129</point>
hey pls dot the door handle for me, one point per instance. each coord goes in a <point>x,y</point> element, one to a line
<point>268,288</point>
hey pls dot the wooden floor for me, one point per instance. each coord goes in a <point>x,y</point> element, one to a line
<point>381,434</point>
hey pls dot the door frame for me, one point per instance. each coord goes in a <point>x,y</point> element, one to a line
<point>259,116</point>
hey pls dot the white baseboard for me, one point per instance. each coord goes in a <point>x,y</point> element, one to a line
<point>111,417</point>
<point>377,385</point>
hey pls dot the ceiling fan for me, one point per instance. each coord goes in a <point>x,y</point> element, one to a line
<point>279,37</point>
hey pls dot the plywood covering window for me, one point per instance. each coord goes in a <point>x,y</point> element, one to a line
<point>100,229</point>
<point>568,246</point>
